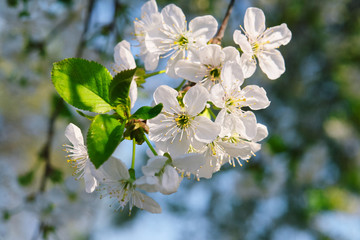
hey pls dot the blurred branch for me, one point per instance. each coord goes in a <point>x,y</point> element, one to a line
<point>82,42</point>
<point>220,34</point>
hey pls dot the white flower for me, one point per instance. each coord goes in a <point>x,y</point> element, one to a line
<point>262,43</point>
<point>176,39</point>
<point>150,19</point>
<point>79,158</point>
<point>161,173</point>
<point>178,127</point>
<point>230,149</point>
<point>210,65</point>
<point>124,60</point>
<point>231,99</point>
<point>117,184</point>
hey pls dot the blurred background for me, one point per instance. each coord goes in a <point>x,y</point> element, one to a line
<point>304,184</point>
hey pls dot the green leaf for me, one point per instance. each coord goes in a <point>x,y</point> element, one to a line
<point>104,135</point>
<point>83,84</point>
<point>26,178</point>
<point>147,112</point>
<point>120,86</point>
<point>123,110</point>
<point>85,115</point>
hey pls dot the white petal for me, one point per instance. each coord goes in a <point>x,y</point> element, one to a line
<point>170,180</point>
<point>190,162</point>
<point>148,183</point>
<point>175,147</point>
<point>255,97</point>
<point>170,67</point>
<point>231,76</point>
<point>217,96</point>
<point>203,27</point>
<point>254,147</point>
<point>272,63</point>
<point>262,132</point>
<point>248,65</point>
<point>151,61</point>
<point>205,129</point>
<point>207,170</point>
<point>114,169</point>
<point>274,37</point>
<point>158,127</point>
<point>123,57</point>
<point>246,125</point>
<point>243,42</point>
<point>212,55</point>
<point>90,181</point>
<point>145,202</point>
<point>168,97</point>
<point>195,100</point>
<point>231,54</point>
<point>157,42</point>
<point>242,150</point>
<point>149,8</point>
<point>154,165</point>
<point>225,123</point>
<point>133,93</point>
<point>174,18</point>
<point>191,71</point>
<point>73,133</point>
<point>254,22</point>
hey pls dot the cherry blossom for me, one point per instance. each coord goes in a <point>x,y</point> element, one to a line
<point>261,43</point>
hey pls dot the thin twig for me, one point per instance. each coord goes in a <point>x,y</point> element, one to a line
<point>80,48</point>
<point>220,34</point>
<point>45,152</point>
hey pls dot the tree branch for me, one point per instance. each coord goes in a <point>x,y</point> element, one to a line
<point>80,48</point>
<point>220,34</point>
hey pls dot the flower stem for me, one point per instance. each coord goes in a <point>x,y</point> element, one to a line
<point>150,146</point>
<point>133,154</point>
<point>153,74</point>
<point>180,86</point>
<point>212,113</point>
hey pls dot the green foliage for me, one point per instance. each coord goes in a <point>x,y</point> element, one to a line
<point>47,230</point>
<point>83,84</point>
<point>6,215</point>
<point>120,86</point>
<point>26,179</point>
<point>123,110</point>
<point>147,112</point>
<point>85,115</point>
<point>12,3</point>
<point>56,175</point>
<point>103,137</point>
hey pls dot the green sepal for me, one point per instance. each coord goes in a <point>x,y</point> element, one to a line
<point>85,115</point>
<point>104,135</point>
<point>83,84</point>
<point>147,112</point>
<point>123,109</point>
<point>135,130</point>
<point>120,86</point>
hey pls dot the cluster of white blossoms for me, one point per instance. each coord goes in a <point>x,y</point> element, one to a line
<point>208,123</point>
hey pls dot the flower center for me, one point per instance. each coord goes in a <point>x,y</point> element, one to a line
<point>234,102</point>
<point>182,121</point>
<point>215,73</point>
<point>183,41</point>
